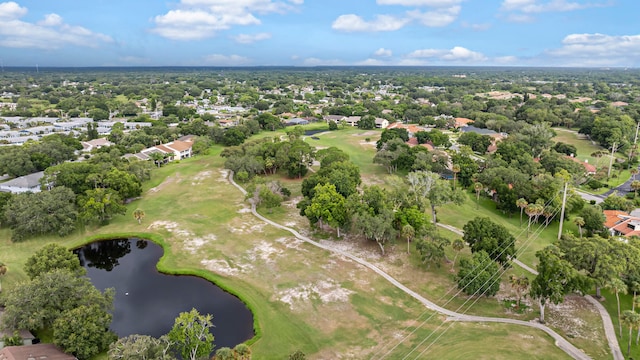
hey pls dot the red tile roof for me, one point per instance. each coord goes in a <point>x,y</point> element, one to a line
<point>38,351</point>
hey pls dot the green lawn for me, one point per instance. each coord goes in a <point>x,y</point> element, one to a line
<point>304,297</point>
<point>583,146</point>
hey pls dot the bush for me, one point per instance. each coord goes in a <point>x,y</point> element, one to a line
<point>333,125</point>
<point>595,184</point>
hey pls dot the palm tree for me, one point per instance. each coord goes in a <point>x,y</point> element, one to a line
<point>631,319</point>
<point>579,220</point>
<point>635,185</point>
<point>533,210</point>
<point>522,204</point>
<point>618,286</point>
<point>520,284</point>
<point>3,270</point>
<point>458,245</point>
<point>243,351</point>
<point>408,232</point>
<point>478,187</point>
<point>634,172</point>
<point>138,214</point>
<point>456,169</point>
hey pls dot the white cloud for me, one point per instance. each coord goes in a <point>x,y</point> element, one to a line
<point>199,19</point>
<point>49,33</point>
<point>251,38</point>
<point>536,6</point>
<point>353,23</point>
<point>382,52</point>
<point>455,54</point>
<point>416,3</point>
<point>312,61</point>
<point>226,60</point>
<point>597,50</point>
<point>436,18</point>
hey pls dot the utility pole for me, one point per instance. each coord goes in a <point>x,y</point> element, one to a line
<point>613,150</point>
<point>635,144</point>
<point>564,203</point>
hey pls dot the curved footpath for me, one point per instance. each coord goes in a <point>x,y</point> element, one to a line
<point>609,330</point>
<point>561,342</point>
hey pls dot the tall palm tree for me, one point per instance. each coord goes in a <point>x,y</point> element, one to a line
<point>635,185</point>
<point>522,204</point>
<point>617,286</point>
<point>579,220</point>
<point>533,211</point>
<point>456,169</point>
<point>632,320</point>
<point>458,245</point>
<point>408,232</point>
<point>478,187</point>
<point>138,214</point>
<point>3,270</point>
<point>520,284</point>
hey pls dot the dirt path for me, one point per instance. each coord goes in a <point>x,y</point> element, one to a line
<point>609,330</point>
<point>561,342</point>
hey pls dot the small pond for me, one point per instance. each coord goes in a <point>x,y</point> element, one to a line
<point>147,302</point>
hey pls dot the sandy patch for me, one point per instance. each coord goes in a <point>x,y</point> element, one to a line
<point>263,251</point>
<point>224,175</point>
<point>327,291</point>
<point>247,228</point>
<point>291,243</point>
<point>567,316</point>
<point>366,133</point>
<point>191,243</point>
<point>220,266</point>
<point>244,210</point>
<point>201,176</point>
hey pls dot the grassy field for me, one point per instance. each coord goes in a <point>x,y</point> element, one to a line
<point>306,298</point>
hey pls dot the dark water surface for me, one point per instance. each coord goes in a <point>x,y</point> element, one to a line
<point>147,302</point>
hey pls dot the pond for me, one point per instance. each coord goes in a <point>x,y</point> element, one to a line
<point>147,302</point>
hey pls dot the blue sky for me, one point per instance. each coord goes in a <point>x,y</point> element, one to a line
<point>592,33</point>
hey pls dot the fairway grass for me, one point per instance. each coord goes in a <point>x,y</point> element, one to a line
<point>304,297</point>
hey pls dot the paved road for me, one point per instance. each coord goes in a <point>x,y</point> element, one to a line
<point>561,342</point>
<point>609,330</point>
<point>588,197</point>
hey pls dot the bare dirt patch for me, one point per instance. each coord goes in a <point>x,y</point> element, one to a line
<point>201,176</point>
<point>224,175</point>
<point>263,251</point>
<point>169,180</point>
<point>191,242</point>
<point>220,266</point>
<point>569,316</point>
<point>327,291</point>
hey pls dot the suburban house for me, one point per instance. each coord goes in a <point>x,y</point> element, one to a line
<point>461,122</point>
<point>95,144</point>
<point>621,223</point>
<point>352,120</point>
<point>588,168</point>
<point>381,123</point>
<point>27,336</point>
<point>23,184</point>
<point>175,150</point>
<point>336,118</point>
<point>296,121</point>
<point>34,352</point>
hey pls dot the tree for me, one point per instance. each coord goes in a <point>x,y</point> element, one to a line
<point>377,227</point>
<point>83,331</point>
<point>432,249</point>
<point>455,168</point>
<point>593,219</point>
<point>478,187</point>
<point>635,185</point>
<point>482,234</point>
<point>138,214</point>
<point>46,212</point>
<point>458,245</point>
<point>191,335</point>
<point>140,347</point>
<point>242,351</point>
<point>533,211</point>
<point>520,284</point>
<point>632,320</point>
<point>3,271</point>
<point>479,275</point>
<point>579,221</point>
<point>617,286</point>
<point>367,122</point>
<point>224,353</point>
<point>556,278</point>
<point>327,205</point>
<point>408,232</point>
<point>52,256</point>
<point>37,304</point>
<point>100,205</point>
<point>297,355</point>
<point>522,204</point>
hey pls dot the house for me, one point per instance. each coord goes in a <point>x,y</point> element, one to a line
<point>336,118</point>
<point>352,120</point>
<point>227,123</point>
<point>95,144</point>
<point>461,122</point>
<point>381,123</point>
<point>621,223</point>
<point>22,184</point>
<point>296,121</point>
<point>27,336</point>
<point>181,149</point>
<point>588,168</point>
<point>34,352</point>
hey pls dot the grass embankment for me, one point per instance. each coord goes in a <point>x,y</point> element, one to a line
<point>302,297</point>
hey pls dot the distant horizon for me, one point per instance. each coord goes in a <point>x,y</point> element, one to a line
<point>40,67</point>
<point>299,33</point>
